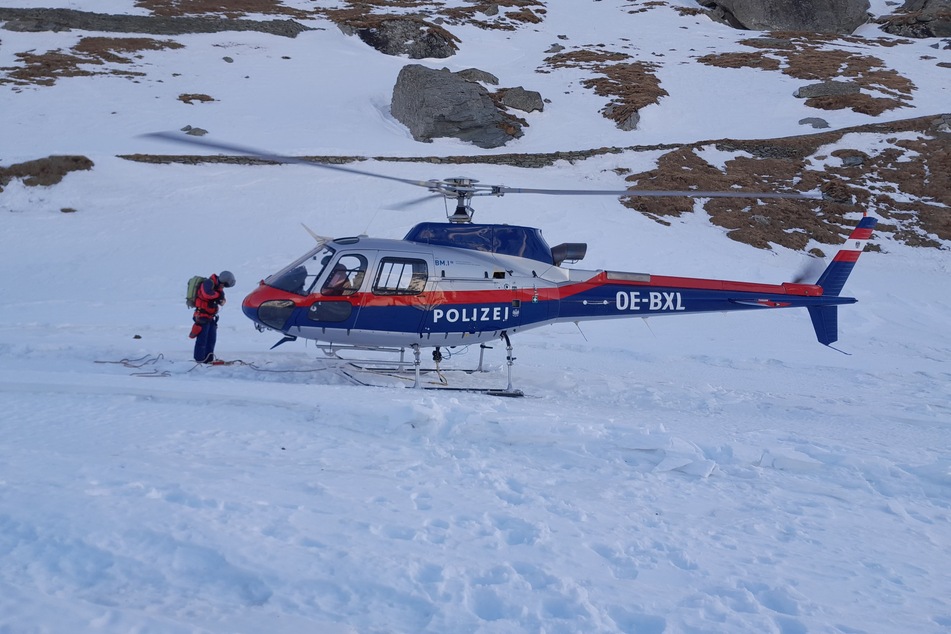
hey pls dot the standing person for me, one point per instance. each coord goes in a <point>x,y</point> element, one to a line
<point>208,299</point>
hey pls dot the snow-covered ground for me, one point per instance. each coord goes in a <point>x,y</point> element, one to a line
<point>702,474</point>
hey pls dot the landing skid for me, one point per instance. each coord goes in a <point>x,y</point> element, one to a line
<point>490,391</point>
<point>350,354</point>
<point>476,390</point>
<point>413,371</point>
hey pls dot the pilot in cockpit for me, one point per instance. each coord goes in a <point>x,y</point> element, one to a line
<point>338,282</point>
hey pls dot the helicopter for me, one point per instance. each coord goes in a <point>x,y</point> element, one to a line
<point>458,283</point>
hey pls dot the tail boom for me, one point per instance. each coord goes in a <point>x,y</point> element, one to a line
<point>613,294</point>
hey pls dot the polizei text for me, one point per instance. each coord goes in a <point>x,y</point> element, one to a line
<point>474,314</point>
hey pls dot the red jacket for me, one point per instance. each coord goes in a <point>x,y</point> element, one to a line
<point>208,298</point>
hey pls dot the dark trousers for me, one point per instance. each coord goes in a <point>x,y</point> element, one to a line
<point>205,341</point>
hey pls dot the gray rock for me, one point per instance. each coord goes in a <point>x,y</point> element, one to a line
<point>828,89</point>
<point>414,38</point>
<point>815,122</point>
<point>920,19</point>
<point>816,16</point>
<point>438,103</point>
<point>474,74</point>
<point>194,131</point>
<point>628,124</point>
<point>36,20</point>
<point>521,99</point>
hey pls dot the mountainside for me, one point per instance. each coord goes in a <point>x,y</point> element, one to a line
<point>904,180</point>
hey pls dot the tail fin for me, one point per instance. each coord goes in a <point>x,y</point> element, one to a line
<point>825,319</point>
<point>833,278</point>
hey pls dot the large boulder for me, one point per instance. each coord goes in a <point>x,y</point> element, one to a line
<point>438,103</point>
<point>814,16</point>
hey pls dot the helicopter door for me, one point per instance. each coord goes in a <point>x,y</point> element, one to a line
<point>396,300</point>
<point>338,304</point>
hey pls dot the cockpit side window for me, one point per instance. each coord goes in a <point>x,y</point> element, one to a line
<point>346,275</point>
<point>401,276</point>
<point>300,276</point>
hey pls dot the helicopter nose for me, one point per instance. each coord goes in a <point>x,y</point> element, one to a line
<point>268,307</point>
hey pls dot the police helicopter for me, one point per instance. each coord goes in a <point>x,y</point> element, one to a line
<point>458,283</point>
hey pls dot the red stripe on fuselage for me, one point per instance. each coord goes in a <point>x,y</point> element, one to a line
<point>861,234</point>
<point>693,283</point>
<point>497,296</point>
<point>429,298</point>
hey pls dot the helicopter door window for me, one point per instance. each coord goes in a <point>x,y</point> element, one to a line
<point>401,276</point>
<point>346,276</point>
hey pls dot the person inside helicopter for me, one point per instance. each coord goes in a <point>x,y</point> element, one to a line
<point>338,282</point>
<point>346,276</point>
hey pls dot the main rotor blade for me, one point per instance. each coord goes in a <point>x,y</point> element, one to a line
<point>276,158</point>
<point>655,193</point>
<point>466,187</point>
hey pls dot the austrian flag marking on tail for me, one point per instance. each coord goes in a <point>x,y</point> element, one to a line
<point>858,239</point>
<point>834,277</point>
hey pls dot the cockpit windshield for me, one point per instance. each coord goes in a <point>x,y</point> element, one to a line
<point>301,275</point>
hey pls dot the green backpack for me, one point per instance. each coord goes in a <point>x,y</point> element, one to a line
<point>192,291</point>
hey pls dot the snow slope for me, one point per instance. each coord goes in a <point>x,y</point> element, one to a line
<point>702,474</point>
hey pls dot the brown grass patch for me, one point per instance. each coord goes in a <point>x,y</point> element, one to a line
<point>808,57</point>
<point>478,14</point>
<point>45,171</point>
<point>629,85</point>
<point>585,58</point>
<point>224,8</point>
<point>907,185</point>
<point>860,102</point>
<point>740,60</point>
<point>506,15</point>
<point>643,7</point>
<point>189,98</point>
<point>88,57</point>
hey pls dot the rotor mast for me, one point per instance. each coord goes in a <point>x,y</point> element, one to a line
<point>464,190</point>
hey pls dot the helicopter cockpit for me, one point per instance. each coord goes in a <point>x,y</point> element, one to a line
<point>301,276</point>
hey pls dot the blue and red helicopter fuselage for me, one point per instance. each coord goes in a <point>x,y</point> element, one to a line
<point>447,285</point>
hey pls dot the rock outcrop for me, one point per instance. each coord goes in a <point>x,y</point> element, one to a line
<point>815,16</point>
<point>407,36</point>
<point>438,103</point>
<point>920,19</point>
